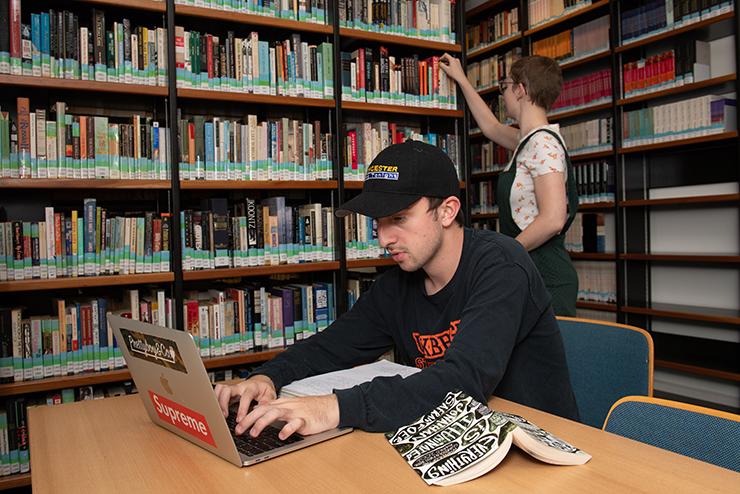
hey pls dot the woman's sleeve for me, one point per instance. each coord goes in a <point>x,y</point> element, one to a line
<point>543,154</point>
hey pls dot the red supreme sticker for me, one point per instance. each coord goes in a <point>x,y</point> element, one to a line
<point>183,418</point>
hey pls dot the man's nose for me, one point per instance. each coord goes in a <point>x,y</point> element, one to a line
<point>384,236</point>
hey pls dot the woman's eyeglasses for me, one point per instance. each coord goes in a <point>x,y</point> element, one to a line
<point>504,84</point>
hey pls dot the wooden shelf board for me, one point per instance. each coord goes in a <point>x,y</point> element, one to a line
<point>595,205</point>
<point>692,258</point>
<point>593,256</point>
<point>251,19</point>
<point>78,85</point>
<point>263,99</point>
<point>483,7</point>
<point>354,184</point>
<point>120,375</point>
<point>680,142</point>
<point>484,216</point>
<point>716,81</point>
<point>15,481</point>
<point>484,175</point>
<point>672,311</point>
<point>215,274</point>
<point>374,107</point>
<point>674,32</point>
<point>681,201</point>
<point>585,60</point>
<point>370,263</point>
<point>84,282</point>
<point>73,183</point>
<point>566,17</point>
<point>258,184</point>
<point>399,40</point>
<point>580,111</point>
<point>495,46</point>
<point>695,369</point>
<point>150,5</point>
<point>591,156</point>
<point>488,90</point>
<point>583,304</point>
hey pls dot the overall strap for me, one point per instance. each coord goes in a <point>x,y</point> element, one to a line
<point>571,188</point>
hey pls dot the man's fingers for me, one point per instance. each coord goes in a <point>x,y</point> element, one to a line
<point>246,399</point>
<point>223,394</point>
<point>270,416</point>
<point>291,427</point>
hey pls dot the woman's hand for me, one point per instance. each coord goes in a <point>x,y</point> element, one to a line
<point>452,67</point>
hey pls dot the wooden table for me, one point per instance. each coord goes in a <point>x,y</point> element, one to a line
<point>111,446</point>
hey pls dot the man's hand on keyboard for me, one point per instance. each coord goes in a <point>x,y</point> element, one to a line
<point>257,388</point>
<point>304,415</point>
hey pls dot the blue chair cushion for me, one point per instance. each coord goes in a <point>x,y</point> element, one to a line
<point>703,437</point>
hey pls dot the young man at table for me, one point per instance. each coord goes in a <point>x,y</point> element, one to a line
<point>466,306</point>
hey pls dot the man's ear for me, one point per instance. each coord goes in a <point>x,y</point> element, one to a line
<point>448,210</point>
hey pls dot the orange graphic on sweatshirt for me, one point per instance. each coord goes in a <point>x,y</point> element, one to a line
<point>434,346</point>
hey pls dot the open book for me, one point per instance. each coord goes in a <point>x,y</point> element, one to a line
<point>325,384</point>
<point>462,439</point>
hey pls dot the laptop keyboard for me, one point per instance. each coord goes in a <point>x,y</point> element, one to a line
<point>266,441</point>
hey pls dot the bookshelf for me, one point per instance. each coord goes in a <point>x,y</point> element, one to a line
<point>646,174</point>
<point>170,100</point>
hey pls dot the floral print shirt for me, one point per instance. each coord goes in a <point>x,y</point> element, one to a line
<point>541,155</point>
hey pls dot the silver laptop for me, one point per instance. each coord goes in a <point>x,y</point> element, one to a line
<point>177,394</point>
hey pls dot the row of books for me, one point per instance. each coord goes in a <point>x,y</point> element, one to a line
<point>95,243</point>
<point>15,455</point>
<point>492,29</point>
<point>595,181</point>
<point>357,284</point>
<point>58,44</point>
<point>215,148</point>
<point>41,145</point>
<point>572,44</point>
<point>483,197</point>
<point>587,233</point>
<point>267,233</point>
<point>597,281</point>
<point>314,11</point>
<point>289,67</point>
<point>541,11</point>
<point>373,75</point>
<point>693,117</point>
<point>490,71</point>
<point>656,16</point>
<point>688,62</point>
<point>363,141</point>
<point>488,157</point>
<point>75,340</point>
<point>426,19</point>
<point>588,137</point>
<point>361,237</point>
<point>256,317</point>
<point>585,90</point>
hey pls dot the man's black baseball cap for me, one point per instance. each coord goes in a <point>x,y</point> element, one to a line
<point>399,176</point>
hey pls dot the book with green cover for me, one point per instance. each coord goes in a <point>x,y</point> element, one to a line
<point>461,439</point>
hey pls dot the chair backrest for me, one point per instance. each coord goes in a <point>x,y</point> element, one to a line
<point>701,433</point>
<point>606,361</point>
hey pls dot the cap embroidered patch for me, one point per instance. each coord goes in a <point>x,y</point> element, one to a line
<point>382,172</point>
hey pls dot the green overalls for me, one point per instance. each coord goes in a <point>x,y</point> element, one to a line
<point>551,258</point>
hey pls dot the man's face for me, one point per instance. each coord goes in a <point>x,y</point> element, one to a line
<point>413,236</point>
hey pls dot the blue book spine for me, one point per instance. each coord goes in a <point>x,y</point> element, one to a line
<point>210,157</point>
<point>103,326</point>
<point>36,44</point>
